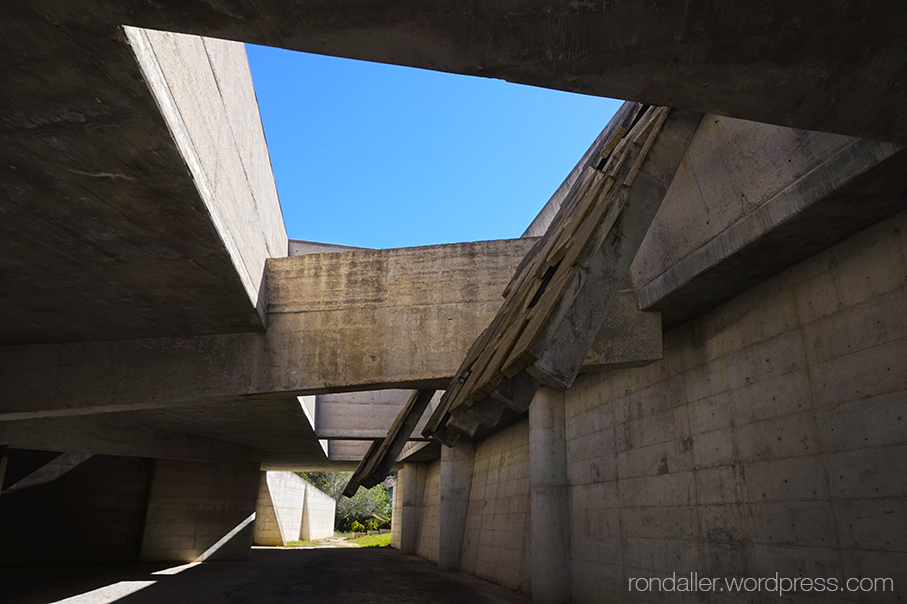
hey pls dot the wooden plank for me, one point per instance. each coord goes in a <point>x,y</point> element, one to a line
<point>560,361</point>
<point>381,456</point>
<point>543,292</point>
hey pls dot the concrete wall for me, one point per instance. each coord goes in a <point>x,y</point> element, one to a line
<point>497,542</point>
<point>427,541</point>
<point>318,515</point>
<point>267,526</point>
<point>200,511</point>
<point>291,509</point>
<point>204,90</point>
<point>769,438</point>
<point>93,514</point>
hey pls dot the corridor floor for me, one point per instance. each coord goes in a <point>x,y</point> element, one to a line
<point>271,576</point>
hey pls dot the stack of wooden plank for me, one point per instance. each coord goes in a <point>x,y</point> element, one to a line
<point>500,373</point>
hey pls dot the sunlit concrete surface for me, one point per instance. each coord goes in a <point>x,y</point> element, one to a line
<point>272,575</point>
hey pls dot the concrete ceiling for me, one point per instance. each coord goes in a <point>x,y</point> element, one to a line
<point>836,67</point>
<point>103,234</point>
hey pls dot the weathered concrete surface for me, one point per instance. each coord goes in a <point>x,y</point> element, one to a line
<point>204,90</point>
<point>93,514</point>
<point>120,435</point>
<point>498,542</point>
<point>409,490</point>
<point>455,485</point>
<point>199,511</point>
<point>356,320</point>
<point>361,415</point>
<point>752,199</point>
<point>549,499</point>
<point>769,439</point>
<point>575,334</point>
<point>299,247</point>
<point>428,538</point>
<point>833,68</point>
<point>349,452</point>
<point>104,233</point>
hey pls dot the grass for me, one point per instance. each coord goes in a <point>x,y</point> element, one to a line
<point>373,540</point>
<point>363,541</point>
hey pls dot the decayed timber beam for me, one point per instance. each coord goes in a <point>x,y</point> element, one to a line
<point>559,298</point>
<point>382,454</point>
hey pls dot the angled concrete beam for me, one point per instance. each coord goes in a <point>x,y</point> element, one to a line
<point>382,455</point>
<point>571,342</point>
<point>107,435</point>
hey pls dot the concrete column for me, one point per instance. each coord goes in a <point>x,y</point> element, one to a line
<point>548,493</point>
<point>456,482</point>
<point>412,484</point>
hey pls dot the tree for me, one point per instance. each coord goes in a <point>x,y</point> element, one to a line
<point>359,507</point>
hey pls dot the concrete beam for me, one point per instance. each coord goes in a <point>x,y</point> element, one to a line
<point>811,65</point>
<point>204,90</point>
<point>120,221</point>
<point>109,435</point>
<point>364,415</point>
<point>752,199</point>
<point>573,338</point>
<point>360,320</point>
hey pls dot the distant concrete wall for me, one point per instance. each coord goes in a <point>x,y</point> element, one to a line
<point>200,511</point>
<point>92,514</point>
<point>204,89</point>
<point>497,542</point>
<point>427,542</point>
<point>299,247</point>
<point>769,439</point>
<point>267,526</point>
<point>291,509</point>
<point>318,515</point>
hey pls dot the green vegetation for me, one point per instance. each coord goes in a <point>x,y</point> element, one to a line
<point>360,508</point>
<point>373,540</point>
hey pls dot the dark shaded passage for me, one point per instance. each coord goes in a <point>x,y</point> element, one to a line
<point>275,576</point>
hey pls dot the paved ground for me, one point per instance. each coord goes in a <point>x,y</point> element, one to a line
<point>272,576</point>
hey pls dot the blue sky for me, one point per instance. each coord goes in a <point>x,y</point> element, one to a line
<point>384,156</point>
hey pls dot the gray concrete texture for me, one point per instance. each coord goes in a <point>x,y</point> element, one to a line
<point>291,509</point>
<point>107,232</point>
<point>814,66</point>
<point>204,90</point>
<point>768,439</point>
<point>199,511</point>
